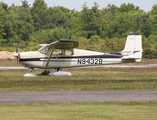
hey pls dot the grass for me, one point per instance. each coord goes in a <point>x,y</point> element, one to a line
<point>81,79</point>
<point>9,63</point>
<point>80,111</point>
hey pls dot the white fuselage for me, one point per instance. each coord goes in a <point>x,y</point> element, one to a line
<point>80,58</point>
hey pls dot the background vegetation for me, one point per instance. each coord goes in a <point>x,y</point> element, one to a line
<point>96,29</point>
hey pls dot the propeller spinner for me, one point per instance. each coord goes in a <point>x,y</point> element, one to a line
<point>17,55</point>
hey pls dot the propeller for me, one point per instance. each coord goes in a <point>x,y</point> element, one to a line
<point>17,52</point>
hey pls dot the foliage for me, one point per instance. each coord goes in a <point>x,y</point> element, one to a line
<point>94,28</point>
<point>48,36</point>
<point>39,13</point>
<point>2,34</point>
<point>128,7</point>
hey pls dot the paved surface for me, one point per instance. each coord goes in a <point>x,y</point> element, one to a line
<point>78,96</point>
<point>12,68</point>
<point>102,66</point>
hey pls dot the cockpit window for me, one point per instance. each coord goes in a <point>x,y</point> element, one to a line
<point>44,49</point>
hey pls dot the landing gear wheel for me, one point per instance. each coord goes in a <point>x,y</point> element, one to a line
<point>30,74</point>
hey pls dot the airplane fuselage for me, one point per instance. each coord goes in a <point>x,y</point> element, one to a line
<point>80,58</point>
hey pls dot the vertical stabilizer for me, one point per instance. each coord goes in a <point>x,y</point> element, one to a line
<point>133,47</point>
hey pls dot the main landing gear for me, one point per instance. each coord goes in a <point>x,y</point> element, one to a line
<point>60,73</point>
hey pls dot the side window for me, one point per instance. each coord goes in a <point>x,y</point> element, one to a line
<point>69,52</point>
<point>58,52</point>
<point>63,52</point>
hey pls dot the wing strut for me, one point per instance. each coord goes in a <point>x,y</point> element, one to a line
<point>50,56</point>
<point>59,64</point>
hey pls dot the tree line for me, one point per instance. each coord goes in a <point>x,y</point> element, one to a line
<point>97,29</point>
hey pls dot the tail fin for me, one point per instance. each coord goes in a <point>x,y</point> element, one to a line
<point>133,47</point>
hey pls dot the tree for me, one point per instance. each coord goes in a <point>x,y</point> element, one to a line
<point>95,39</point>
<point>11,21</point>
<point>146,28</point>
<point>128,7</point>
<point>154,10</point>
<point>154,23</point>
<point>91,20</point>
<point>64,9</point>
<point>48,36</point>
<point>25,25</point>
<point>25,4</point>
<point>110,12</point>
<point>2,34</point>
<point>53,14</point>
<point>39,14</point>
<point>4,6</point>
<point>120,27</point>
<point>136,19</point>
<point>63,21</point>
<point>55,17</point>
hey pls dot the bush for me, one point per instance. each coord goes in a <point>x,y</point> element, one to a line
<point>150,53</point>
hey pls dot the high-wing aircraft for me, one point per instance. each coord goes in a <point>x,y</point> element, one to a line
<point>62,54</point>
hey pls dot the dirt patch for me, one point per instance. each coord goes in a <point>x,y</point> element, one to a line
<point>7,55</point>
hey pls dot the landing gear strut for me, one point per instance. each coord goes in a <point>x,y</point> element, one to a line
<point>31,70</point>
<point>58,69</point>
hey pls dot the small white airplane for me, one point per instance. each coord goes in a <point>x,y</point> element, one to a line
<point>62,54</point>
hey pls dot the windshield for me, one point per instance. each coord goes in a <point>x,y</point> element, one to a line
<point>44,49</point>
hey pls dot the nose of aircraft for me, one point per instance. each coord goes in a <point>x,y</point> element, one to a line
<point>15,55</point>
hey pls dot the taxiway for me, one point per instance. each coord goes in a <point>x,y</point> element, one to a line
<point>78,96</point>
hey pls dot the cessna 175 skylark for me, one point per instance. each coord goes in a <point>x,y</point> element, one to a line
<point>62,54</point>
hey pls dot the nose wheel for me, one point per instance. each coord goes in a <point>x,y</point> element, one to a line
<point>30,74</point>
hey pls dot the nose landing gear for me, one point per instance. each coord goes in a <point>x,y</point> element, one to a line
<point>30,74</point>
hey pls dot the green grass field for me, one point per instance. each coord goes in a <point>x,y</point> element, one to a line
<point>80,111</point>
<point>81,79</point>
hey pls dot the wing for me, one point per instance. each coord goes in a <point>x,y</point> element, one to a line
<point>60,44</point>
<point>64,44</point>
